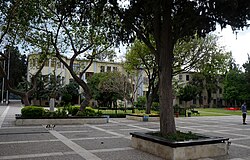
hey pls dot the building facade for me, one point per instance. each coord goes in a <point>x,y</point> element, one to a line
<point>54,67</point>
<point>201,100</point>
<point>140,81</point>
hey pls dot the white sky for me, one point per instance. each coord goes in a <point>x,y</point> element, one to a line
<point>240,47</point>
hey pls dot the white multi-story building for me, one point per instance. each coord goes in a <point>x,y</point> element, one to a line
<point>54,66</point>
<point>200,101</point>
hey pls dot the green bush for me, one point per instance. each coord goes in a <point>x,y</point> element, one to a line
<point>67,98</point>
<point>32,112</point>
<point>61,112</point>
<point>155,106</point>
<point>89,112</point>
<point>73,110</point>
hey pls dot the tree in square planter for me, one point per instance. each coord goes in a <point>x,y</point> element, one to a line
<point>168,21</point>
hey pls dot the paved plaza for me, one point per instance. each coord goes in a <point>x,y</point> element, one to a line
<point>109,141</point>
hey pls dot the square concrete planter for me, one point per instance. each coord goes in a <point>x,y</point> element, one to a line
<point>143,118</point>
<point>61,121</point>
<point>185,150</point>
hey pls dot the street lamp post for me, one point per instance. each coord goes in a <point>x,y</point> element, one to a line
<point>8,77</point>
<point>3,84</point>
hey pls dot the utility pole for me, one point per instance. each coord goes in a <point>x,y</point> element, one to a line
<point>8,77</point>
<point>3,83</point>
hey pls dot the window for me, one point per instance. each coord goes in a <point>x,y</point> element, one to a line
<point>180,77</point>
<point>53,62</point>
<point>102,69</point>
<point>58,64</point>
<point>31,63</point>
<point>108,68</point>
<point>187,77</point>
<point>47,63</point>
<point>115,69</point>
<point>34,62</point>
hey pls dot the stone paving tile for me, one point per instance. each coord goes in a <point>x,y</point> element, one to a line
<point>102,140</point>
<point>242,131</point>
<point>245,142</point>
<point>224,134</point>
<point>19,130</point>
<point>32,148</point>
<point>73,128</point>
<point>127,155</point>
<point>64,157</point>
<point>25,137</point>
<point>73,135</point>
<point>127,132</point>
<point>106,143</point>
<point>234,152</point>
<point>114,126</point>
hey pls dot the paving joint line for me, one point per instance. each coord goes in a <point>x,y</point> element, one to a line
<point>2,117</point>
<point>75,147</point>
<point>25,156</point>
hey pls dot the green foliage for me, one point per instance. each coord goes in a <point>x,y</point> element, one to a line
<point>62,112</point>
<point>141,102</point>
<point>109,87</point>
<point>247,75</point>
<point>73,110</point>
<point>234,85</point>
<point>188,92</point>
<point>155,106</point>
<point>18,65</point>
<point>32,112</point>
<point>69,92</point>
<point>89,112</point>
<point>66,97</point>
<point>139,57</point>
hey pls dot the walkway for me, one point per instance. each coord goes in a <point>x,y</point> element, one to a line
<point>107,141</point>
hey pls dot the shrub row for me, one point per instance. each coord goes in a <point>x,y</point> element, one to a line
<point>40,112</point>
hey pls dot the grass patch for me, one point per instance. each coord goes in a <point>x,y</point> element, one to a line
<point>217,112</point>
<point>178,136</point>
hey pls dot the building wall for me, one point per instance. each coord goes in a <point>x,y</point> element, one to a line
<point>216,97</point>
<point>97,67</point>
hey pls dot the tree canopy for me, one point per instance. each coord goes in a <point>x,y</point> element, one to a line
<point>168,21</point>
<point>109,87</point>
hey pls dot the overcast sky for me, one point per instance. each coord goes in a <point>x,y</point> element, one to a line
<point>239,46</point>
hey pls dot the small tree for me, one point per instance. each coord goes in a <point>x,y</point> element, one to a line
<point>188,93</point>
<point>70,92</point>
<point>109,87</point>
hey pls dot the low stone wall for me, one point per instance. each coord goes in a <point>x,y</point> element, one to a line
<point>182,152</point>
<point>140,118</point>
<point>63,121</point>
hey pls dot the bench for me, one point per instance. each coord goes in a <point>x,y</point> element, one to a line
<point>195,112</point>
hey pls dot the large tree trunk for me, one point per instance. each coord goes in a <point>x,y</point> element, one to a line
<point>85,102</point>
<point>25,99</point>
<point>167,122</point>
<point>165,51</point>
<point>150,97</point>
<point>149,103</point>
